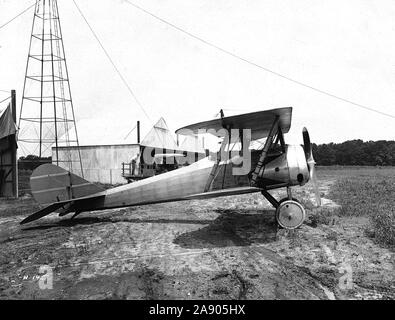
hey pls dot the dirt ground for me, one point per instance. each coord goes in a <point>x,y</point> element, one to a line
<point>224,248</point>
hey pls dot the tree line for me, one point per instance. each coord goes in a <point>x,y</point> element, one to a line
<point>31,162</point>
<point>348,153</point>
<point>356,152</point>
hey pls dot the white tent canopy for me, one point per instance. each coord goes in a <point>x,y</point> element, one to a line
<point>160,137</point>
<point>7,125</point>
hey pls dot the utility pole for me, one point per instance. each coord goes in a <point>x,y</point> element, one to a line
<point>13,146</point>
<point>138,132</point>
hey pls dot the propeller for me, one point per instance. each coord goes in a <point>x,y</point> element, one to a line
<point>311,164</point>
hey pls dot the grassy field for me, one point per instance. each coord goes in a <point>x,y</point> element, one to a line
<point>367,192</point>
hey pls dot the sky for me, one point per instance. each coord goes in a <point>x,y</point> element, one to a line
<point>346,48</point>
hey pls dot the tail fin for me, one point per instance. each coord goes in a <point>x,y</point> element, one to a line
<point>50,184</point>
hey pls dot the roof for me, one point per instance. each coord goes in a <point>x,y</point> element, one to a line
<point>7,125</point>
<point>259,122</point>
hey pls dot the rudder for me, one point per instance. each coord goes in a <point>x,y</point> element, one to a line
<point>50,183</point>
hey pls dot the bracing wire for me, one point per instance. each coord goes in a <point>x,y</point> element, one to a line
<point>227,52</point>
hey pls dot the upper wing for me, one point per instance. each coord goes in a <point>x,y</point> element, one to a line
<point>259,122</point>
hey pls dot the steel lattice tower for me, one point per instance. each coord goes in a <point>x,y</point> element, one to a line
<point>47,113</point>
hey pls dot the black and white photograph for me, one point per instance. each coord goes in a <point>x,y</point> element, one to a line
<point>216,152</point>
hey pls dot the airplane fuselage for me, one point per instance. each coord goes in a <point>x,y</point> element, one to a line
<point>189,182</point>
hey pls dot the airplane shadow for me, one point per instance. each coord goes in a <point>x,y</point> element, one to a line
<point>67,223</point>
<point>97,220</point>
<point>232,228</point>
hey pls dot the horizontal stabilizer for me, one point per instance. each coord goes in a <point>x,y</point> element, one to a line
<point>42,213</point>
<point>74,204</point>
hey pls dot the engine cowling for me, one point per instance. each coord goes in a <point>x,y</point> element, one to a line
<point>290,167</point>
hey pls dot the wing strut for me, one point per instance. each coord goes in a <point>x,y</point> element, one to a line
<point>214,170</point>
<point>280,138</point>
<point>273,131</point>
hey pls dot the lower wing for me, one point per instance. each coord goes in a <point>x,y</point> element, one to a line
<point>222,193</point>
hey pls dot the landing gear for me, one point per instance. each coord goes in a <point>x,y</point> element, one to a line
<point>290,214</point>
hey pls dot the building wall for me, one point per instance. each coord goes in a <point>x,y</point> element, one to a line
<point>8,180</point>
<point>100,163</point>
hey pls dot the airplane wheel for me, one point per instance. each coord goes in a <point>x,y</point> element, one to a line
<point>290,214</point>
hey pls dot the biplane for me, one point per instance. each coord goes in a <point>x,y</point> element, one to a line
<point>271,165</point>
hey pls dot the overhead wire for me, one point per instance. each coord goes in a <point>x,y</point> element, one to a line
<point>113,63</point>
<point>130,132</point>
<point>227,52</point>
<point>5,99</point>
<point>18,15</point>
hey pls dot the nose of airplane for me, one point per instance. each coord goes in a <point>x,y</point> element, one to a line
<point>297,165</point>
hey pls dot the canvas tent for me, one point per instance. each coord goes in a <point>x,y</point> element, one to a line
<point>8,162</point>
<point>160,137</point>
<point>7,125</point>
<point>161,140</point>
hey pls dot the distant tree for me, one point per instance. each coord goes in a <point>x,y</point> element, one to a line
<point>356,152</point>
<point>324,154</point>
<point>30,162</point>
